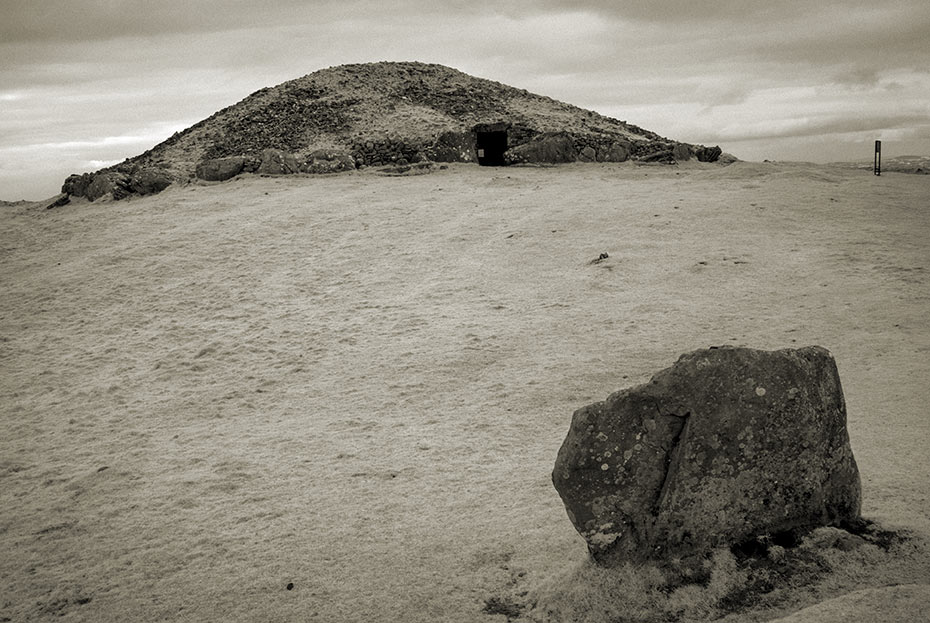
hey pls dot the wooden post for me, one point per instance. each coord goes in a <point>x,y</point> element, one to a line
<point>877,167</point>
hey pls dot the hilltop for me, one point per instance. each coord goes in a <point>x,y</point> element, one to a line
<point>381,113</point>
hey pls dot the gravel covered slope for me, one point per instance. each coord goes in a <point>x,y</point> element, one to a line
<point>384,111</point>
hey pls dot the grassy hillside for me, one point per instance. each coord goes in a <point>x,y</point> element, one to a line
<point>340,398</point>
<point>412,104</point>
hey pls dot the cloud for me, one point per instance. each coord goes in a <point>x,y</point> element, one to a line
<point>37,169</point>
<point>820,125</point>
<point>66,20</point>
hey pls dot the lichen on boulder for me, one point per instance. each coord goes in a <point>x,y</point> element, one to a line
<point>726,444</point>
<point>452,146</point>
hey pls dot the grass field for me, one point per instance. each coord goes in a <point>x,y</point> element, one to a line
<point>340,398</point>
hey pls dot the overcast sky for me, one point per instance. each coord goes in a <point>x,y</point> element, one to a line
<point>86,83</point>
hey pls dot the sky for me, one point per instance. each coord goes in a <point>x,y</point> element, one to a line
<point>88,83</point>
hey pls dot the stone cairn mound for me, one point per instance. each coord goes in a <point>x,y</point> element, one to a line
<point>378,114</point>
<point>724,446</point>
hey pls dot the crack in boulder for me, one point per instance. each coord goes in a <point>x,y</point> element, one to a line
<point>672,459</point>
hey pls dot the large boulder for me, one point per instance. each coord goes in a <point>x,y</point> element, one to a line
<point>618,151</point>
<point>278,162</point>
<point>108,183</point>
<point>116,183</point>
<point>709,154</point>
<point>587,154</point>
<point>77,183</point>
<point>453,147</point>
<point>681,152</point>
<point>328,161</point>
<point>149,180</point>
<point>725,445</point>
<point>220,169</point>
<point>550,147</point>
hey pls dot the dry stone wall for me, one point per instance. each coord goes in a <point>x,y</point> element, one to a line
<point>384,151</point>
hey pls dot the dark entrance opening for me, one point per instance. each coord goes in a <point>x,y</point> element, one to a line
<point>491,146</point>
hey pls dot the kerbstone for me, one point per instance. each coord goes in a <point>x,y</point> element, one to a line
<point>727,444</point>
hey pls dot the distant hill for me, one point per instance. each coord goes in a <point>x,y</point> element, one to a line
<point>380,113</point>
<point>898,164</point>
